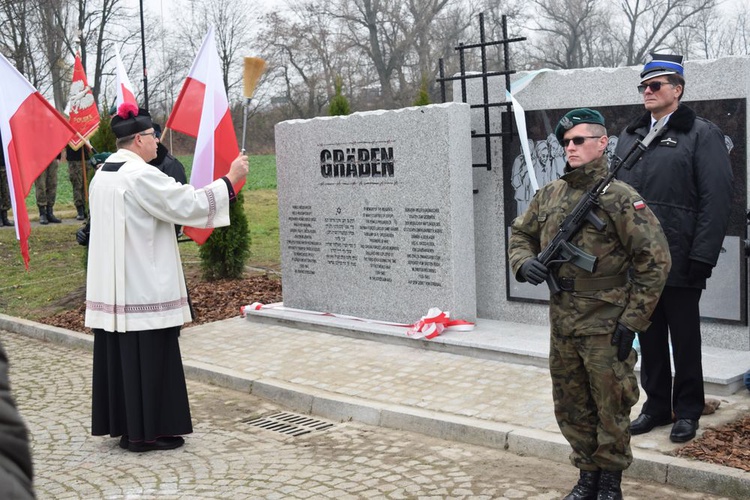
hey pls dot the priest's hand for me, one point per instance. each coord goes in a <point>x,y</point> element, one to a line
<point>238,170</point>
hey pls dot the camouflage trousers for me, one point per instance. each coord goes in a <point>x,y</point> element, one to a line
<point>593,393</point>
<point>75,174</point>
<point>45,186</point>
<point>4,190</point>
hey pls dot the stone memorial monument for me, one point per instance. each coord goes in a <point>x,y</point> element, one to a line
<point>376,213</point>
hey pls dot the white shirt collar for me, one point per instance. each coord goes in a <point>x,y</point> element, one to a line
<point>654,120</point>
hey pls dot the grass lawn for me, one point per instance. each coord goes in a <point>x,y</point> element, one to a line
<point>56,277</point>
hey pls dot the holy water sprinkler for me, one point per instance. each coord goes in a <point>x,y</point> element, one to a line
<point>254,67</point>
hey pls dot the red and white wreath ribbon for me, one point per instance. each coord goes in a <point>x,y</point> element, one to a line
<point>436,322</point>
<point>428,327</point>
<point>255,306</point>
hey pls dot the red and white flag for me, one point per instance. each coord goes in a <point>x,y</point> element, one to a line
<point>202,111</point>
<point>124,88</point>
<point>82,110</point>
<point>33,134</point>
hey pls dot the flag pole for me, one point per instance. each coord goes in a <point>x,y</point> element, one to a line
<point>143,50</point>
<point>85,183</point>
<point>85,175</point>
<point>86,141</point>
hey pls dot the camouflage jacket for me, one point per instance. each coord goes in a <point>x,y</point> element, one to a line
<point>632,240</point>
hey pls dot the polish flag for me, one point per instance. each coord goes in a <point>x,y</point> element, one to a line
<point>84,115</point>
<point>202,111</point>
<point>33,134</point>
<point>124,88</point>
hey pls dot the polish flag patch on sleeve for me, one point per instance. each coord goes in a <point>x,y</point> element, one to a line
<point>638,205</point>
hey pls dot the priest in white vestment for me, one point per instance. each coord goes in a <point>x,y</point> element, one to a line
<point>136,298</point>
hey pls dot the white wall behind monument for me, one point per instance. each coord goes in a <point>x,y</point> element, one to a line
<point>717,90</point>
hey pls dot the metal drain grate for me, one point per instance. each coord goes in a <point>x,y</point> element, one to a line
<point>289,423</point>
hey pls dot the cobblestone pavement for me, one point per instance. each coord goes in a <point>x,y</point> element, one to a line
<point>226,457</point>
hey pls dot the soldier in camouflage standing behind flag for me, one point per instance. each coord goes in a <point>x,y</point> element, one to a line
<point>594,318</point>
<point>4,191</point>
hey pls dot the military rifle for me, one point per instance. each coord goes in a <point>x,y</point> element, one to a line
<point>560,249</point>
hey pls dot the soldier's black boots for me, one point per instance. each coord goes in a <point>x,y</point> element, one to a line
<point>51,216</point>
<point>43,216</point>
<point>81,213</point>
<point>4,221</point>
<point>587,487</point>
<point>609,485</point>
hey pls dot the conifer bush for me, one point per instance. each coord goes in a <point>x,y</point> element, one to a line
<point>224,254</point>
<point>423,97</point>
<point>104,139</point>
<point>339,104</point>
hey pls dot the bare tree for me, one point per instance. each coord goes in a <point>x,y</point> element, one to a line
<point>650,25</point>
<point>715,36</point>
<point>51,40</point>
<point>738,34</point>
<point>570,31</point>
<point>395,37</point>
<point>15,18</point>
<point>232,22</point>
<point>90,26</point>
<point>517,18</point>
<point>305,54</point>
<point>439,37</point>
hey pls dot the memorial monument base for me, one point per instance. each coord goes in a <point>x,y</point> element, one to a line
<point>723,369</point>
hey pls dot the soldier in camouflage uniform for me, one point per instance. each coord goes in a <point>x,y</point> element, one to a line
<point>45,189</point>
<point>77,160</point>
<point>4,191</point>
<point>594,319</point>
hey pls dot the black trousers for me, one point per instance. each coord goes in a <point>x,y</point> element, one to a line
<point>677,317</point>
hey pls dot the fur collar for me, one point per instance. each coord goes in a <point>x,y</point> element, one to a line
<point>681,120</point>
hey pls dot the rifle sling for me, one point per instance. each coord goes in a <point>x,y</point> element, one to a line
<point>592,284</point>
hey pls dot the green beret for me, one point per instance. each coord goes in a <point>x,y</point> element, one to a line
<point>576,117</point>
<point>98,159</point>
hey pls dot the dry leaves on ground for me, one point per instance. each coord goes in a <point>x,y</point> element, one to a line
<point>212,301</point>
<point>727,445</point>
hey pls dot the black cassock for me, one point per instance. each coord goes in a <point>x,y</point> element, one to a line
<point>139,385</point>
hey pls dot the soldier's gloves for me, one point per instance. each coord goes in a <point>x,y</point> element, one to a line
<point>623,338</point>
<point>98,159</point>
<point>534,271</point>
<point>699,271</point>
<point>82,235</point>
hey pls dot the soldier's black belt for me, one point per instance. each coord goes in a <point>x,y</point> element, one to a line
<point>592,284</point>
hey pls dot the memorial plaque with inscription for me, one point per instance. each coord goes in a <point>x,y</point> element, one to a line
<point>376,213</point>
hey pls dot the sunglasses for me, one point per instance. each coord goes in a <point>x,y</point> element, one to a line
<point>579,140</point>
<point>654,86</point>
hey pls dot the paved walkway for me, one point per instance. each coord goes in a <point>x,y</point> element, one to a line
<point>452,396</point>
<point>228,457</point>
